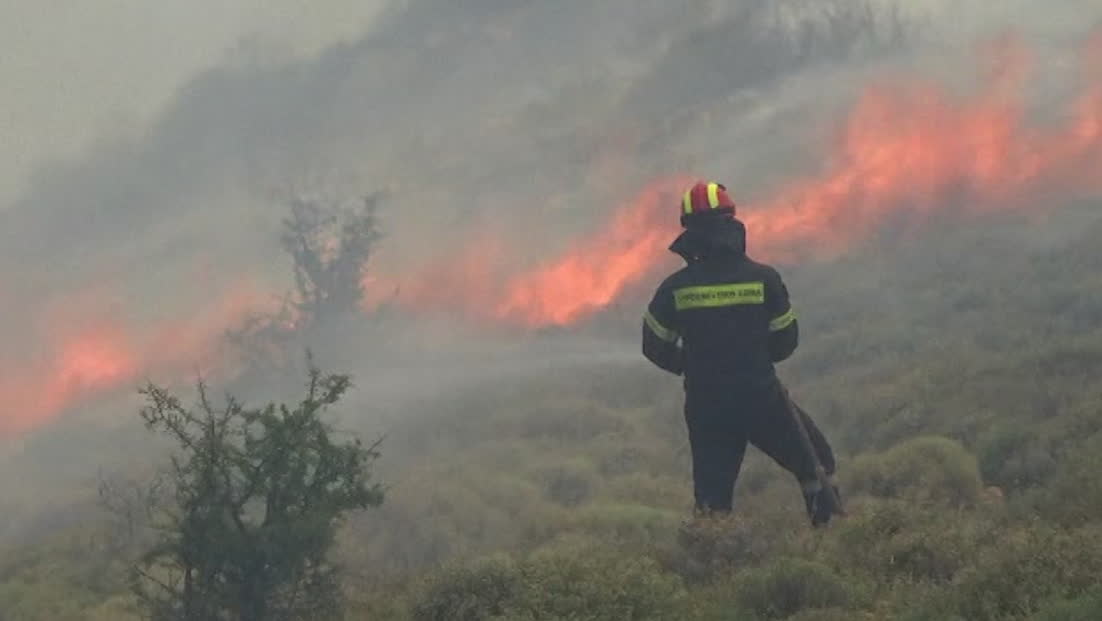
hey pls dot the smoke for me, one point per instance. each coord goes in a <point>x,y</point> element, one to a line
<point>909,147</point>
<point>529,149</point>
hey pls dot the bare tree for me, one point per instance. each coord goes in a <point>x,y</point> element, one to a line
<point>330,245</point>
<point>133,506</point>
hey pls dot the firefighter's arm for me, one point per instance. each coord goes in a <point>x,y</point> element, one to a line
<point>784,330</point>
<point>660,335</point>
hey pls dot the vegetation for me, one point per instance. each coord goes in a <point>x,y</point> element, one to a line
<point>330,245</point>
<point>955,374</point>
<point>249,512</point>
<point>968,462</point>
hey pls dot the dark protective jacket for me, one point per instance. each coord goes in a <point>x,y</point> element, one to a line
<point>723,319</point>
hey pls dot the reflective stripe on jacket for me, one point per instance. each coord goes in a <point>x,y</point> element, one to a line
<point>723,320</point>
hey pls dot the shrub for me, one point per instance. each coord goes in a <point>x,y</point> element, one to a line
<point>789,586</point>
<point>477,512</point>
<point>472,592</point>
<point>560,582</point>
<point>257,496</point>
<point>564,421</point>
<point>568,483</point>
<point>897,540</point>
<point>823,614</point>
<point>624,522</point>
<point>1027,567</point>
<point>615,456</point>
<point>1074,495</point>
<point>649,490</point>
<point>583,584</point>
<point>1085,607</point>
<point>1014,458</point>
<point>708,548</point>
<point>923,469</point>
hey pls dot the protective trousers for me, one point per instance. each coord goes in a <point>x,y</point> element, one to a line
<point>722,421</point>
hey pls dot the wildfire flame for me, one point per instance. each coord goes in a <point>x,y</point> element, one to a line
<point>913,147</point>
<point>105,355</point>
<point>587,278</point>
<point>907,147</point>
<point>96,358</point>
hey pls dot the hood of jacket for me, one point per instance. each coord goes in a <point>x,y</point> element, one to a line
<point>725,237</point>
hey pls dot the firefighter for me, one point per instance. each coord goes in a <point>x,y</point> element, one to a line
<point>722,322</point>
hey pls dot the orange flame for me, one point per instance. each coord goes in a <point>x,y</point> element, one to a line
<point>915,147</point>
<point>103,357</point>
<point>907,148</point>
<point>594,273</point>
<point>94,359</point>
<point>587,278</point>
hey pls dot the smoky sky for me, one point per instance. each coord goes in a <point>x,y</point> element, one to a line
<point>477,113</point>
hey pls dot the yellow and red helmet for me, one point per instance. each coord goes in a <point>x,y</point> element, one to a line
<point>706,198</point>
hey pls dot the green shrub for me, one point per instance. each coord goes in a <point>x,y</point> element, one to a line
<point>666,492</point>
<point>1074,495</point>
<point>789,586</point>
<point>561,582</point>
<point>568,483</point>
<point>1014,457</point>
<point>898,540</point>
<point>566,421</point>
<point>69,577</point>
<point>20,601</point>
<point>935,611</point>
<point>616,456</point>
<point>118,608</point>
<point>628,523</point>
<point>1027,567</point>
<point>709,548</point>
<point>1085,607</point>
<point>480,590</point>
<point>593,585</point>
<point>823,614</point>
<point>474,512</point>
<point>922,469</point>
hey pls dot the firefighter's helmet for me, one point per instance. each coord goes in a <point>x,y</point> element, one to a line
<point>704,201</point>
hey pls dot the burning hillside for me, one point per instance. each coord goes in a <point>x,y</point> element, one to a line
<point>89,351</point>
<point>909,147</point>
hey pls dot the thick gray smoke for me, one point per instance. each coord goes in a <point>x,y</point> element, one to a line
<point>523,118</point>
<point>529,120</point>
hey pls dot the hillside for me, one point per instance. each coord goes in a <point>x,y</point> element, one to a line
<point>968,447</point>
<point>926,182</point>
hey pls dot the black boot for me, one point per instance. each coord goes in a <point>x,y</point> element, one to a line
<point>820,505</point>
